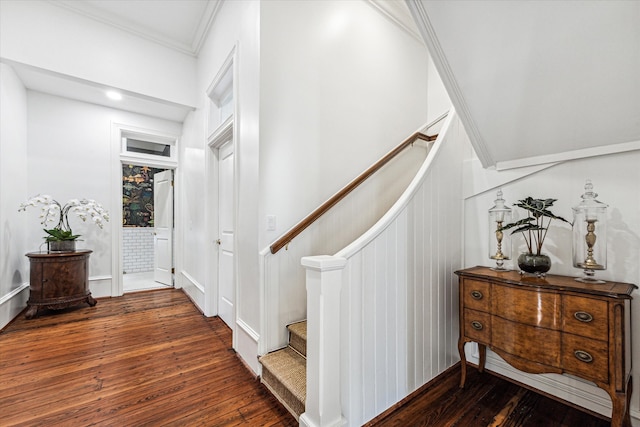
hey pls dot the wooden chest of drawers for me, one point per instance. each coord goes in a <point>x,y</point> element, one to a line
<point>551,325</point>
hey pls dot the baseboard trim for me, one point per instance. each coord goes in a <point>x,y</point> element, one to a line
<point>193,289</point>
<point>247,346</point>
<point>100,286</point>
<point>13,303</point>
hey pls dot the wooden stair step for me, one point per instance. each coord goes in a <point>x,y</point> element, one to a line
<point>298,337</point>
<point>284,373</point>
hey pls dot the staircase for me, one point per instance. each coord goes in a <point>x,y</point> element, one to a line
<point>284,372</point>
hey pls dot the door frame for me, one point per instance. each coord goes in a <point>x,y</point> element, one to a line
<point>120,158</point>
<point>217,134</point>
<point>224,135</point>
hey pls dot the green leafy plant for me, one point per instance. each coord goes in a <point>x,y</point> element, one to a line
<point>533,227</point>
<point>56,235</point>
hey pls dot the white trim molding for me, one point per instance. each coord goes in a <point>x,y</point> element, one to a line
<point>449,80</point>
<point>569,155</point>
<point>247,343</point>
<point>192,288</point>
<point>13,303</point>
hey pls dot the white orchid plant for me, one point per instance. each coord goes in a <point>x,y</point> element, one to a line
<point>52,211</point>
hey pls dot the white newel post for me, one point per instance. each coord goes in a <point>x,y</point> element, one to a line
<point>324,280</point>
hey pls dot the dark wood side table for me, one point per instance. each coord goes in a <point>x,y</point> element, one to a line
<point>58,280</point>
<point>551,325</point>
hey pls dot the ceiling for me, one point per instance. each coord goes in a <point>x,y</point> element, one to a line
<point>538,82</point>
<point>65,86</point>
<point>178,24</point>
<point>181,25</point>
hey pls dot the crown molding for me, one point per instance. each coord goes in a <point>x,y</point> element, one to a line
<point>397,13</point>
<point>192,49</point>
<point>449,80</point>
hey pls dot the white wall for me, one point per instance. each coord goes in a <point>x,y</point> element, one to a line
<point>191,261</point>
<point>70,156</point>
<point>438,101</point>
<point>40,34</point>
<point>330,104</point>
<point>14,268</point>
<point>341,85</point>
<point>616,179</point>
<point>237,24</point>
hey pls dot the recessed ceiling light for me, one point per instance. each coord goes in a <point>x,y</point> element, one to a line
<point>112,94</point>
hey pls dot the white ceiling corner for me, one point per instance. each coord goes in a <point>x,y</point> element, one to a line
<point>181,25</point>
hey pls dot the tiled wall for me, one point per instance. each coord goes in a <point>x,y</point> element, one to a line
<point>137,249</point>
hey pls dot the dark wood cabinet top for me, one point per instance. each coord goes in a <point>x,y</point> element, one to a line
<point>58,254</point>
<point>551,282</point>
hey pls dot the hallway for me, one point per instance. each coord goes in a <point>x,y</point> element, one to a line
<point>147,358</point>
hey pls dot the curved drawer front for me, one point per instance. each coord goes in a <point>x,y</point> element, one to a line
<point>527,342</point>
<point>587,317</point>
<point>476,295</point>
<point>585,357</point>
<point>540,309</point>
<point>477,326</point>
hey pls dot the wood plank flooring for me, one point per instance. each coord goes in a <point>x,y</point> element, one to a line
<point>151,359</point>
<point>145,359</point>
<point>486,401</point>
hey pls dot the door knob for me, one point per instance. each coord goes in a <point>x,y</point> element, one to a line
<point>218,241</point>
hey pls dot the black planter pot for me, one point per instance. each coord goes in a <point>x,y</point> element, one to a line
<point>535,264</point>
<point>63,246</point>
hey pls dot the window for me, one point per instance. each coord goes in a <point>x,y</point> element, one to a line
<point>147,147</point>
<point>143,147</point>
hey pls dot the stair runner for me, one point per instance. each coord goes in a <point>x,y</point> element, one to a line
<point>284,372</point>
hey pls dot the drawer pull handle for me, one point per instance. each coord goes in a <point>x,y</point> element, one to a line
<point>583,356</point>
<point>583,316</point>
<point>476,295</point>
<point>476,325</point>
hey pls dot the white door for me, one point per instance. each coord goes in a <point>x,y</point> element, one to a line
<point>226,288</point>
<point>163,227</point>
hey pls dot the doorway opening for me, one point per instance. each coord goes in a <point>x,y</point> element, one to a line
<point>147,218</point>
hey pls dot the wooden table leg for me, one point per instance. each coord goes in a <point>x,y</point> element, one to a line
<point>463,363</point>
<point>482,349</point>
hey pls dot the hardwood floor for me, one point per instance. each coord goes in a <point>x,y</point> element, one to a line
<point>151,359</point>
<point>147,358</point>
<point>486,401</point>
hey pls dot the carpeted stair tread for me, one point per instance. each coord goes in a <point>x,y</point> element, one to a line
<point>284,372</point>
<point>298,337</point>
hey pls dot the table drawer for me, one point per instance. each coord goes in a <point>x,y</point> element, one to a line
<point>540,309</point>
<point>585,357</point>
<point>587,317</point>
<point>525,341</point>
<point>477,326</point>
<point>476,295</point>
